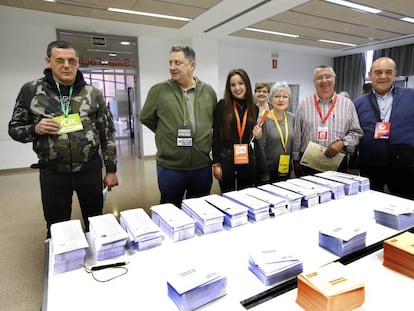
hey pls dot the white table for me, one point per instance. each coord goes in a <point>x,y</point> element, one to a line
<point>144,286</point>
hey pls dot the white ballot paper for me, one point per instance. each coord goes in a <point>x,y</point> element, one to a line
<point>314,157</point>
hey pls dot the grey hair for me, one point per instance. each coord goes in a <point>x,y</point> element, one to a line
<point>188,51</point>
<point>280,86</point>
<point>322,67</point>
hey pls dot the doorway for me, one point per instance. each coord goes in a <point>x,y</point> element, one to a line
<point>110,63</point>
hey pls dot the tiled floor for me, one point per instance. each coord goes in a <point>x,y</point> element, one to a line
<point>23,229</point>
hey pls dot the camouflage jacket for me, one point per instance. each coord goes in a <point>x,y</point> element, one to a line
<point>70,152</point>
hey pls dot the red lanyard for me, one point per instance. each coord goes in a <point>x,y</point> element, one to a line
<point>318,108</point>
<point>240,128</point>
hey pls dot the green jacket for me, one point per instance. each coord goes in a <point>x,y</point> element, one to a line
<point>70,152</point>
<point>163,113</point>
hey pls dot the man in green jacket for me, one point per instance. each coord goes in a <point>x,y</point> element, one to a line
<point>180,113</point>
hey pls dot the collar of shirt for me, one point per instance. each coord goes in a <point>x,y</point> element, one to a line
<point>321,101</point>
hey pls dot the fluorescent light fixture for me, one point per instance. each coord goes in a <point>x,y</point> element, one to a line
<point>271,32</point>
<point>125,43</point>
<point>408,19</point>
<point>113,54</point>
<point>355,6</point>
<point>49,0</point>
<point>184,19</point>
<point>337,42</point>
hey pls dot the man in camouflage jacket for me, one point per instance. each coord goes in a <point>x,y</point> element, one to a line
<point>70,158</point>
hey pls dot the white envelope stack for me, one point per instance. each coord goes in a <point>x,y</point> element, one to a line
<point>399,217</point>
<point>173,221</point>
<point>351,186</point>
<point>195,287</point>
<point>208,218</point>
<point>107,237</point>
<point>273,267</point>
<point>278,205</point>
<point>310,197</point>
<point>142,231</point>
<point>293,199</point>
<point>324,193</point>
<point>257,209</point>
<point>363,182</point>
<point>234,214</point>
<point>69,245</point>
<point>342,240</point>
<point>337,188</point>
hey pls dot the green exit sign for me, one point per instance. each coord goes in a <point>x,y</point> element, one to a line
<point>99,41</point>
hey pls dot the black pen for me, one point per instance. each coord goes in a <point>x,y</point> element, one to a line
<point>112,265</point>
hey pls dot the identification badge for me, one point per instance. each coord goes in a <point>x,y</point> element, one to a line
<point>284,161</point>
<point>322,134</point>
<point>382,130</point>
<point>241,153</point>
<point>69,124</point>
<point>184,136</point>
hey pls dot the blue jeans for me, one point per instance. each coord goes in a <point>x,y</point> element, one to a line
<point>173,184</point>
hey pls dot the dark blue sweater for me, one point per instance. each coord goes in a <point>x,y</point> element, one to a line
<point>375,152</point>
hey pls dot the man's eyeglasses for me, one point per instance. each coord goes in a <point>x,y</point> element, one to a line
<point>262,91</point>
<point>61,61</point>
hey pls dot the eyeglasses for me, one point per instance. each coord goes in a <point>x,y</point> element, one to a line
<point>281,97</point>
<point>262,91</point>
<point>61,61</point>
<point>321,77</point>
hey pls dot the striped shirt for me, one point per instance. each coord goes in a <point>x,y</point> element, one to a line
<point>342,124</point>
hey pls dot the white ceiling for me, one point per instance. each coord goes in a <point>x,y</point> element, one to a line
<point>226,20</point>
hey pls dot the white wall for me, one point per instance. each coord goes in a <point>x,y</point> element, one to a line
<point>25,35</point>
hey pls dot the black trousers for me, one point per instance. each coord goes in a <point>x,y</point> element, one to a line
<point>236,177</point>
<point>400,181</point>
<point>57,190</point>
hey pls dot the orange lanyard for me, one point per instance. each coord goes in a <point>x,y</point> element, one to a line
<point>318,108</point>
<point>240,128</point>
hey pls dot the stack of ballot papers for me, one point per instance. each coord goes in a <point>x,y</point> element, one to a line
<point>324,193</point>
<point>351,186</point>
<point>173,221</point>
<point>330,288</point>
<point>257,209</point>
<point>208,218</point>
<point>337,188</point>
<point>107,237</point>
<point>399,217</point>
<point>69,245</point>
<point>310,197</point>
<point>272,267</point>
<point>235,214</point>
<point>196,287</point>
<point>278,205</point>
<point>291,200</point>
<point>363,182</point>
<point>342,240</point>
<point>399,253</point>
<point>142,231</point>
